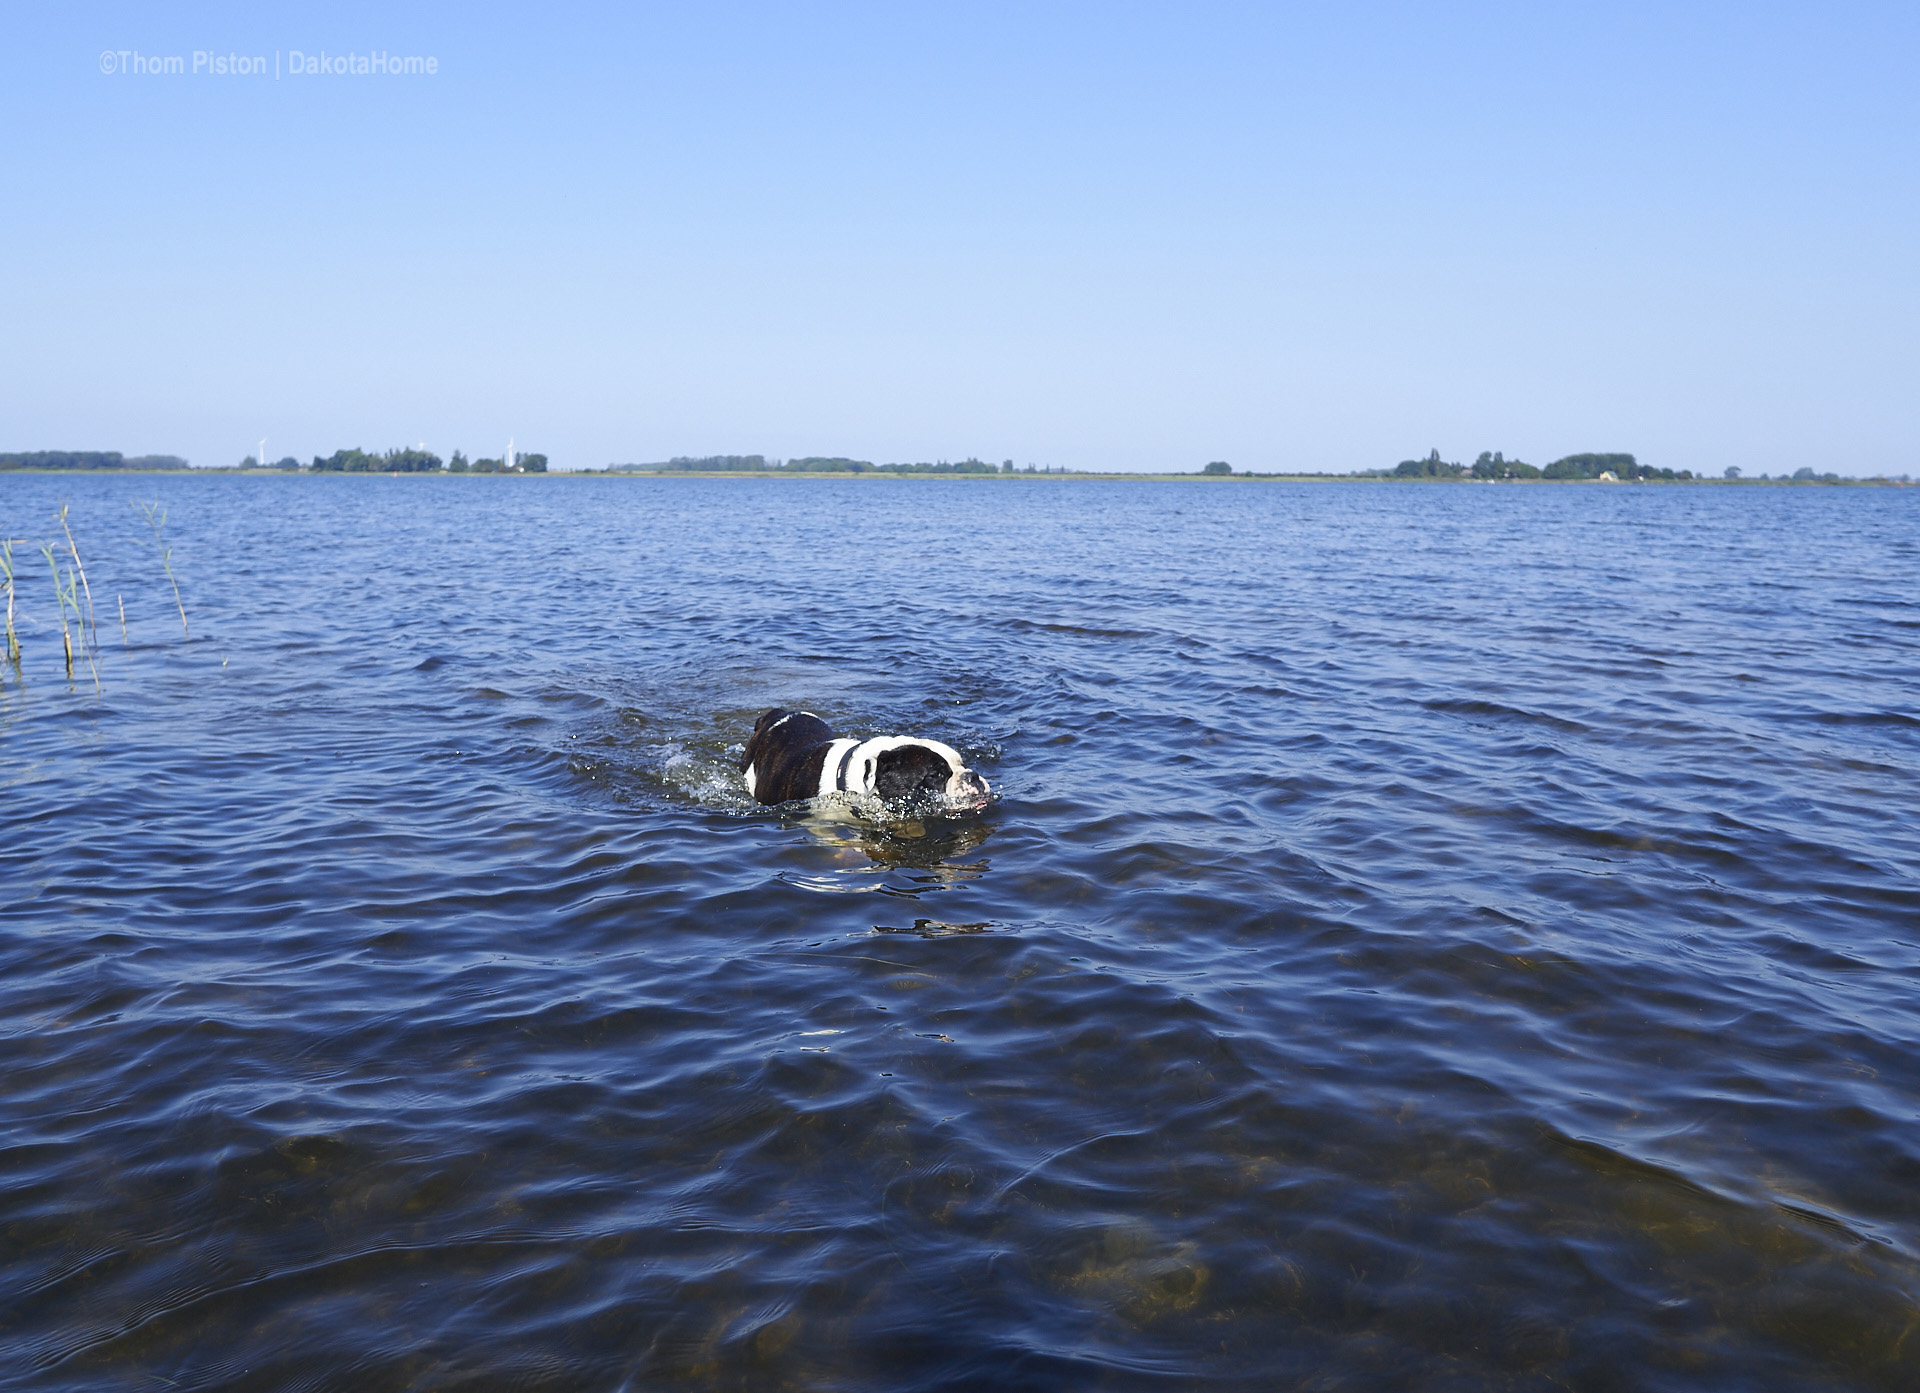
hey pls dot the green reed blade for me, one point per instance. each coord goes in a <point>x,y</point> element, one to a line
<point>60,600</point>
<point>156,517</point>
<point>6,565</point>
<point>92,627</point>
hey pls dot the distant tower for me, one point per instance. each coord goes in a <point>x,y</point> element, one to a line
<point>509,460</point>
<point>262,456</point>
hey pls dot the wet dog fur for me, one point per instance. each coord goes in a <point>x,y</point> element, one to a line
<point>795,754</point>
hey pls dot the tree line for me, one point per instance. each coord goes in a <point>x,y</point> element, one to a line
<point>1495,465</point>
<point>87,459</point>
<point>397,461</point>
<point>820,464</point>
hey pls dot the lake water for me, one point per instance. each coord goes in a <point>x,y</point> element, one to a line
<point>1428,936</point>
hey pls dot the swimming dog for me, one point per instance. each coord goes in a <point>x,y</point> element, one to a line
<point>795,754</point>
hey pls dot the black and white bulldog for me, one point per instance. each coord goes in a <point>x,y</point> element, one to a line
<point>795,754</point>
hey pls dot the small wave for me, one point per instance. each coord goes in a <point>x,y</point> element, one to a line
<point>1500,711</point>
<point>1899,720</point>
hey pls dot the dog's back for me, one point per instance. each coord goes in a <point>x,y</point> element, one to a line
<point>784,757</point>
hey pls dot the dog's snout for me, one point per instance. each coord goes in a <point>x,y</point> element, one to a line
<point>969,787</point>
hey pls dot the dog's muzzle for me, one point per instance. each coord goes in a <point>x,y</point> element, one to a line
<point>967,789</point>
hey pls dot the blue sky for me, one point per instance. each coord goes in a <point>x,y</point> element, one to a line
<point>1100,236</point>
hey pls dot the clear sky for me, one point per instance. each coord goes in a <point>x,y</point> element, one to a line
<point>1318,237</point>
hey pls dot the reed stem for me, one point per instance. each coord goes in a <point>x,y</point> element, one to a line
<point>123,617</point>
<point>91,633</point>
<point>6,565</point>
<point>59,599</point>
<point>68,597</point>
<point>156,517</point>
<point>87,650</point>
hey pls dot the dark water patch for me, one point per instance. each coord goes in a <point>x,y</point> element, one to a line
<point>1899,719</point>
<point>1500,711</point>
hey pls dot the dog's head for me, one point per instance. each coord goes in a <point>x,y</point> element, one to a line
<point>903,771</point>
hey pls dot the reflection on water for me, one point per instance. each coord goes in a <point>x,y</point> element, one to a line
<point>904,858</point>
<point>933,928</point>
<point>1428,936</point>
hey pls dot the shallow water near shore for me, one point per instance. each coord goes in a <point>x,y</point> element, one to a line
<point>1432,936</point>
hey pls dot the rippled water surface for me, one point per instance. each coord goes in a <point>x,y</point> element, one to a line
<point>1428,936</point>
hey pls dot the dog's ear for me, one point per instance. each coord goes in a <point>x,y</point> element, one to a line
<point>768,719</point>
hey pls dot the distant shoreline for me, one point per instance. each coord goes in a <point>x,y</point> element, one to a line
<point>801,476</point>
